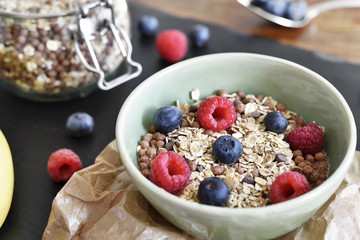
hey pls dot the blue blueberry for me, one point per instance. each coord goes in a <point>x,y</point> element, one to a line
<point>167,119</point>
<point>148,25</point>
<point>200,35</point>
<point>258,2</point>
<point>227,149</point>
<point>275,122</point>
<point>79,124</point>
<point>296,10</point>
<point>276,7</point>
<point>213,191</point>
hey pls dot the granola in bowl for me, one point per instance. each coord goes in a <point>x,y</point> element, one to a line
<point>265,154</point>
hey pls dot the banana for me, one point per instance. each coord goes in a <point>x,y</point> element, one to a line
<point>6,178</point>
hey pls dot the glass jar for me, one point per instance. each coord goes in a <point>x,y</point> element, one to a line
<point>54,50</point>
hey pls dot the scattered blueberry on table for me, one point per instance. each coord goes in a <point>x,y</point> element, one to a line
<point>199,35</point>
<point>148,25</point>
<point>80,124</point>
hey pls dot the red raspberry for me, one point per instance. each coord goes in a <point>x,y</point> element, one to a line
<point>62,164</point>
<point>216,113</point>
<point>172,45</point>
<point>308,139</point>
<point>170,172</point>
<point>288,185</point>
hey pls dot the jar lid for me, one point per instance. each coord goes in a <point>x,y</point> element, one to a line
<point>41,8</point>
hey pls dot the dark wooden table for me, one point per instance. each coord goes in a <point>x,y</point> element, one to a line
<point>335,32</point>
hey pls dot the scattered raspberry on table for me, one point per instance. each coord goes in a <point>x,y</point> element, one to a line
<point>172,45</point>
<point>62,164</point>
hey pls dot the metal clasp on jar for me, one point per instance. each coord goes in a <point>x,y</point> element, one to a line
<point>133,69</point>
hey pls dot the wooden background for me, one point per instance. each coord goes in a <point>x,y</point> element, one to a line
<point>336,32</point>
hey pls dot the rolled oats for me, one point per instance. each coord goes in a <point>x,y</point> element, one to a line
<point>265,154</point>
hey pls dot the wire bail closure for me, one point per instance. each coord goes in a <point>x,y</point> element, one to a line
<point>133,69</point>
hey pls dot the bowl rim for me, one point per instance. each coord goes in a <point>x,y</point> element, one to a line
<point>198,208</point>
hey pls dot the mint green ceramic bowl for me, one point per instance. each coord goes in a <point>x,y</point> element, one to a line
<point>302,90</point>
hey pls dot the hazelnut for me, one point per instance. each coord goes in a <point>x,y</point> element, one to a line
<point>260,97</point>
<point>297,153</point>
<point>320,156</point>
<point>240,108</point>
<point>217,170</point>
<point>160,137</point>
<point>270,105</point>
<point>195,124</point>
<point>309,157</point>
<point>280,107</point>
<point>147,137</point>
<point>314,176</point>
<point>141,152</point>
<point>151,152</point>
<point>192,165</point>
<point>241,94</point>
<point>146,173</point>
<point>240,170</point>
<point>143,166</point>
<point>222,93</point>
<point>298,160</point>
<point>302,164</point>
<point>150,163</point>
<point>159,144</point>
<point>144,144</point>
<point>322,176</point>
<point>300,122</point>
<point>152,143</point>
<point>184,123</point>
<point>255,173</point>
<point>307,170</point>
<point>144,159</point>
<point>152,128</point>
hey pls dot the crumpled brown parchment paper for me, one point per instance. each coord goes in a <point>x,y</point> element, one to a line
<point>100,202</point>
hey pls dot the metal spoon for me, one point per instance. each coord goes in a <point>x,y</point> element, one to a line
<point>312,11</point>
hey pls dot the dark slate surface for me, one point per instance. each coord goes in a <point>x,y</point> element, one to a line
<point>34,130</point>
